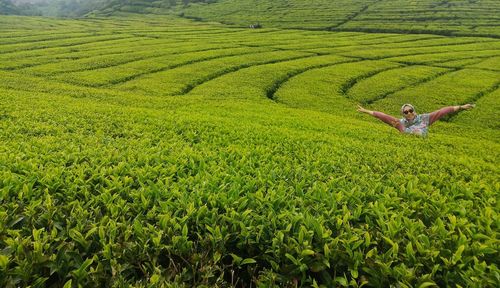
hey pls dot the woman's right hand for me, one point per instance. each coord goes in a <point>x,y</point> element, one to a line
<point>363,110</point>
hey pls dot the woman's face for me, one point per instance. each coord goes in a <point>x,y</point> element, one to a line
<point>409,113</point>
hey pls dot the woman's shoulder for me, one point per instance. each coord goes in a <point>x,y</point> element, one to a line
<point>424,117</point>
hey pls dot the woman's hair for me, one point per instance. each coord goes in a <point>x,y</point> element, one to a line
<point>407,105</point>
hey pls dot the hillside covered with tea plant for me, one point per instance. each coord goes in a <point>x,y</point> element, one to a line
<point>462,17</point>
<point>155,151</point>
<point>442,17</point>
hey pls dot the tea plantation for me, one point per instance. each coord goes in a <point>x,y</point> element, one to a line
<point>154,151</point>
<point>446,17</point>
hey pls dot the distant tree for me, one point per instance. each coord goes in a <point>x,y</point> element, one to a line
<point>6,8</point>
<point>29,9</point>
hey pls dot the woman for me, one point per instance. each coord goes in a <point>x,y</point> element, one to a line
<point>413,123</point>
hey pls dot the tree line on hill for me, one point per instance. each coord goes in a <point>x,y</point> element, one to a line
<point>77,8</point>
<point>8,7</point>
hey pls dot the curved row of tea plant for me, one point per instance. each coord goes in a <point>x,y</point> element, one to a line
<point>173,65</point>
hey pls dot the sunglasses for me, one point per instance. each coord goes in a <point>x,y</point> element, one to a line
<point>408,111</point>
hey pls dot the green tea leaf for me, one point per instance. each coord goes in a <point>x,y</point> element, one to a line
<point>458,254</point>
<point>427,284</point>
<point>68,284</point>
<point>248,261</point>
<point>4,261</point>
<point>307,252</point>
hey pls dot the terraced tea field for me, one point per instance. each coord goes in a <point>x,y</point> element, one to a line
<point>456,17</point>
<point>153,150</point>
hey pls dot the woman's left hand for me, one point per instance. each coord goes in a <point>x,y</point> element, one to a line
<point>467,106</point>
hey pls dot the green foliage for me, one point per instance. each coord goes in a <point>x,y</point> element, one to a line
<point>158,152</point>
<point>458,17</point>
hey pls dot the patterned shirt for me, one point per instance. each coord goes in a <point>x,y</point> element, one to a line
<point>418,126</point>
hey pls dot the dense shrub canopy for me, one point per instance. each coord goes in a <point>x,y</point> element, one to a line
<point>152,150</point>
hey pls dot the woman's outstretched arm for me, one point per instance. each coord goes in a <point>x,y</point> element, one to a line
<point>438,114</point>
<point>393,121</point>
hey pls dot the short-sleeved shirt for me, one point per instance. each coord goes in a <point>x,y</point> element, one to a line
<point>418,126</point>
